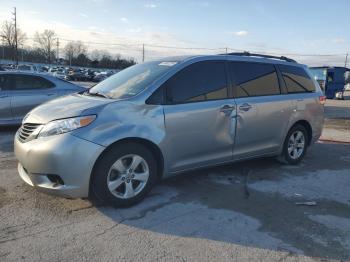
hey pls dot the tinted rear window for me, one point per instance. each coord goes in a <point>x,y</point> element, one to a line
<point>296,79</point>
<point>254,79</point>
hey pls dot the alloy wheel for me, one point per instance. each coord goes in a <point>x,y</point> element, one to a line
<point>128,176</point>
<point>296,144</point>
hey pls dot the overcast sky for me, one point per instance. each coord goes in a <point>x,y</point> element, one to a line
<point>273,26</point>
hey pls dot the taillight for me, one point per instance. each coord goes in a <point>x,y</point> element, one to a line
<point>322,100</point>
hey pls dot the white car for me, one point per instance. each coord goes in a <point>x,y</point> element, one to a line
<point>27,68</point>
<point>59,74</point>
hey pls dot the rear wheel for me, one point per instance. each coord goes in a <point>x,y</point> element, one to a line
<point>124,175</point>
<point>295,145</point>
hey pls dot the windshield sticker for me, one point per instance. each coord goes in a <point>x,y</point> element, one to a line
<point>167,63</point>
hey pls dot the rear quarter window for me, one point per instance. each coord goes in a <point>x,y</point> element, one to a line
<point>296,79</point>
<point>27,82</point>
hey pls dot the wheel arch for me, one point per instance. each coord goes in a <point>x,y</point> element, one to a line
<point>146,143</point>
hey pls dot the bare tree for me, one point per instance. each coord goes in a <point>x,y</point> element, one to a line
<point>46,41</point>
<point>95,54</point>
<point>8,33</point>
<point>73,49</point>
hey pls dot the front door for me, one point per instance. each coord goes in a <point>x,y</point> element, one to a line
<point>199,117</point>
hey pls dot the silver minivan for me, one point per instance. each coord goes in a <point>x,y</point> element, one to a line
<point>160,118</point>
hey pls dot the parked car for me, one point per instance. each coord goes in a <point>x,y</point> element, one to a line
<point>160,118</point>
<point>100,77</point>
<point>76,75</point>
<point>21,92</point>
<point>52,70</point>
<point>89,75</point>
<point>43,69</point>
<point>29,68</point>
<point>9,67</point>
<point>60,73</point>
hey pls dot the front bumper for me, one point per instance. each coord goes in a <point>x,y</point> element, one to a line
<point>69,157</point>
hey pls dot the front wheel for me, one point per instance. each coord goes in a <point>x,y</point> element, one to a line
<point>124,175</point>
<point>295,145</point>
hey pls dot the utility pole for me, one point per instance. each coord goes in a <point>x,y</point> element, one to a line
<point>143,52</point>
<point>3,49</point>
<point>226,50</point>
<point>57,50</point>
<point>346,60</point>
<point>16,47</point>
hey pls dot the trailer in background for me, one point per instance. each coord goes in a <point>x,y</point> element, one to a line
<point>333,80</point>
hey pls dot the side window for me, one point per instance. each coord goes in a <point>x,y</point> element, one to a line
<point>4,82</point>
<point>201,81</point>
<point>157,98</point>
<point>26,82</point>
<point>296,79</point>
<point>254,79</point>
<point>330,77</point>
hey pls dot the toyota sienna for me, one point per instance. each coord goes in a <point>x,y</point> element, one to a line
<point>160,118</point>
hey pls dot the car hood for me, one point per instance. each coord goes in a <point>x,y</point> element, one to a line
<point>66,106</point>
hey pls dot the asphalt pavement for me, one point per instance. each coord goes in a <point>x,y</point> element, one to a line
<point>246,211</point>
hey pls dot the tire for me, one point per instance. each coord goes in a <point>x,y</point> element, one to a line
<point>294,157</point>
<point>116,181</point>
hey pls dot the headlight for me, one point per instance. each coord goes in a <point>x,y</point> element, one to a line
<point>61,126</point>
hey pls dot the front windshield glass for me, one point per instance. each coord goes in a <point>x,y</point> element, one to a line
<point>131,81</point>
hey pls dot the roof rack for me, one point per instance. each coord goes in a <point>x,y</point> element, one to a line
<point>264,56</point>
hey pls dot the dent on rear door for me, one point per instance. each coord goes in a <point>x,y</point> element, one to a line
<point>199,134</point>
<point>261,129</point>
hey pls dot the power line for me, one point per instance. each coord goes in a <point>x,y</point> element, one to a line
<point>225,49</point>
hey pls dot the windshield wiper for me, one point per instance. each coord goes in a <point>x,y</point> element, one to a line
<point>97,94</point>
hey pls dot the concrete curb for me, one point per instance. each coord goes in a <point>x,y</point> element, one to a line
<point>321,140</point>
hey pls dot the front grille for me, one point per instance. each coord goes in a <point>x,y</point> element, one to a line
<point>26,130</point>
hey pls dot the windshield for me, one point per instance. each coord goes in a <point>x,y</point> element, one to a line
<point>131,81</point>
<point>319,73</point>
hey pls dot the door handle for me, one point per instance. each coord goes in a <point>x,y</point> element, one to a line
<point>227,108</point>
<point>245,107</point>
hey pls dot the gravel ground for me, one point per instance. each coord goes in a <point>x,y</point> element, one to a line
<point>243,211</point>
